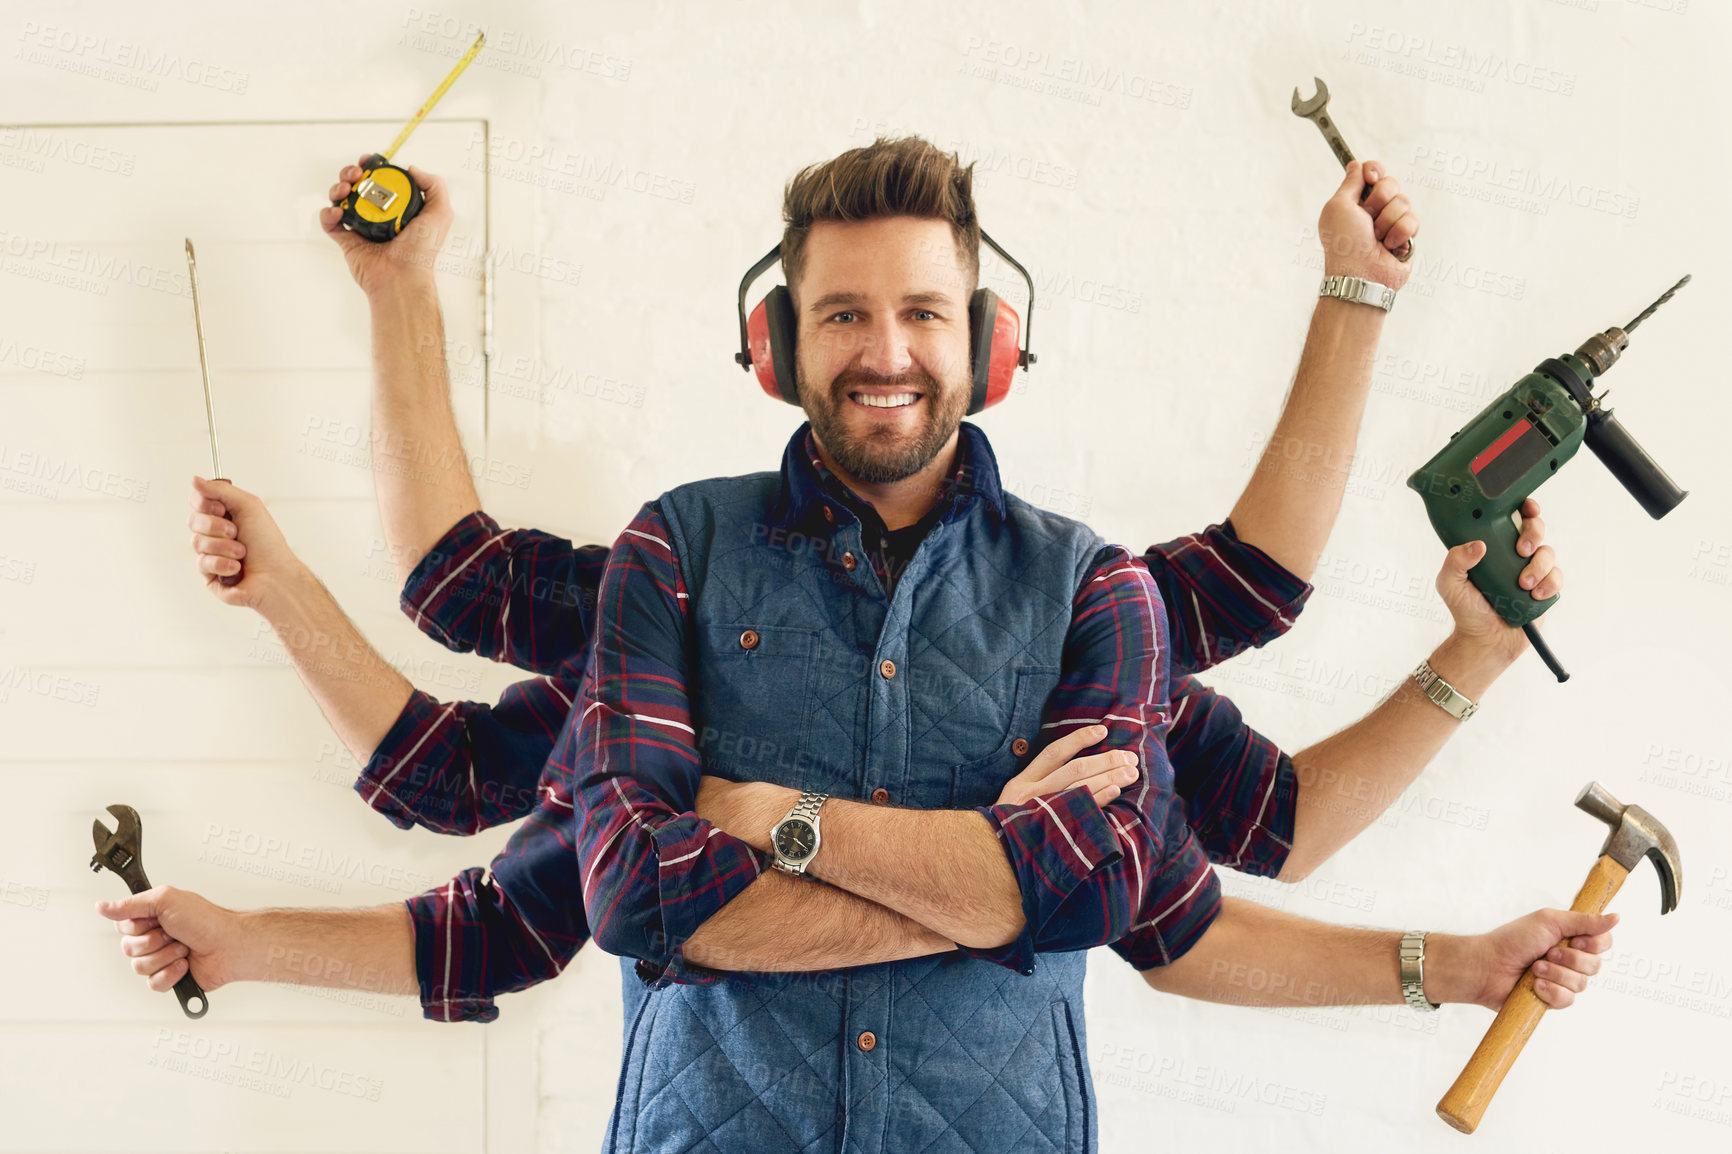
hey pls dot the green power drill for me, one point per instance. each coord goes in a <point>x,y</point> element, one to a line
<point>1474,486</point>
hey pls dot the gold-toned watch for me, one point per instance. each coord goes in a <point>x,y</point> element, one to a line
<point>1443,693</point>
<point>1413,971</point>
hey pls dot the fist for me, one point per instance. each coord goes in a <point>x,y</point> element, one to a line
<point>410,257</point>
<point>1562,946</point>
<point>1361,237</point>
<point>231,526</point>
<point>164,932</point>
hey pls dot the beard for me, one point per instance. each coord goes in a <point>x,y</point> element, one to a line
<point>881,456</point>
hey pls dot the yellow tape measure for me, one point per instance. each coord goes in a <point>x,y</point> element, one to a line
<point>384,200</point>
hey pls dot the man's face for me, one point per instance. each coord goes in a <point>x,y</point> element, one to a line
<point>882,364</point>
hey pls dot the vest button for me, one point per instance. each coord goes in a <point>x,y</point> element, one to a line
<point>880,796</point>
<point>748,640</point>
<point>1019,747</point>
<point>848,562</point>
<point>888,668</point>
<point>867,1040</point>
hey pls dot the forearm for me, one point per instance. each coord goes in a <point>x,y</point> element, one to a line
<point>359,693</point>
<point>420,471</point>
<point>1346,781</point>
<point>366,949</point>
<point>1289,506</point>
<point>781,923</point>
<point>1254,956</point>
<point>944,869</point>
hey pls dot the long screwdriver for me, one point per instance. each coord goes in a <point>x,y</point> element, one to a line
<point>385,199</point>
<point>216,467</point>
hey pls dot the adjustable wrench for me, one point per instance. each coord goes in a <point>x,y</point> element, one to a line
<point>120,850</point>
<point>1313,110</point>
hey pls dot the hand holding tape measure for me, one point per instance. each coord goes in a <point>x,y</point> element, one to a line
<point>385,198</point>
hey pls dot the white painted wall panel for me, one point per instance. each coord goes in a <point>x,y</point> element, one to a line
<point>1172,238</point>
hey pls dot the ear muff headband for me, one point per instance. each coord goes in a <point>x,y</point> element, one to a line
<point>767,337</point>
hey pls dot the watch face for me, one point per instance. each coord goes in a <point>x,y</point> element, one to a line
<point>795,838</point>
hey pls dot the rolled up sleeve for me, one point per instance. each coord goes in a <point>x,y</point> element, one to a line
<point>1224,596</point>
<point>1240,789</point>
<point>463,766</point>
<point>1182,899</point>
<point>518,596</point>
<point>494,931</point>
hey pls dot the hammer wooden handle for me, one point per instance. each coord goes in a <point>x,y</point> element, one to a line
<point>1465,1103</point>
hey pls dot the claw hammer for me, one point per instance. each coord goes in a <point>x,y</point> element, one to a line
<point>1635,834</point>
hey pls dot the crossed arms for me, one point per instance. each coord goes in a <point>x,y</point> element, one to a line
<point>1001,882</point>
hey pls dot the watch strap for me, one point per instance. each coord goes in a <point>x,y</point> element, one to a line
<point>1413,971</point>
<point>1358,290</point>
<point>808,805</point>
<point>1443,694</point>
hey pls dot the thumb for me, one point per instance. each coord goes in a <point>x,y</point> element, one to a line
<point>432,187</point>
<point>1571,924</point>
<point>1351,182</point>
<point>144,905</point>
<point>234,497</point>
<point>1462,558</point>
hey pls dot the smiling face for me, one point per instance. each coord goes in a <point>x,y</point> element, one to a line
<point>882,363</point>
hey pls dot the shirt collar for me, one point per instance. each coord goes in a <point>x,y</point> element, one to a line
<point>807,485</point>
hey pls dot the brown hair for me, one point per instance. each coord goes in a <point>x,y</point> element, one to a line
<point>899,176</point>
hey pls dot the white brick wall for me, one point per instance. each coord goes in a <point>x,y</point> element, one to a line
<point>1141,161</point>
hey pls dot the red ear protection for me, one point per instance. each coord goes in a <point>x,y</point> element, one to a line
<point>767,337</point>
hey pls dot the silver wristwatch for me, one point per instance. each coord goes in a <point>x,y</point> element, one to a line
<point>1359,290</point>
<point>1413,971</point>
<point>795,838</point>
<point>1443,693</point>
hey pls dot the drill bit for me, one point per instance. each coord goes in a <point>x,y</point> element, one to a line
<point>1664,297</point>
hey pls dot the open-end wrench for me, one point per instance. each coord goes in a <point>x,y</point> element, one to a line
<point>121,850</point>
<point>1313,110</point>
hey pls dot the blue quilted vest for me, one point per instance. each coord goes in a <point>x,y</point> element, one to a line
<point>967,1055</point>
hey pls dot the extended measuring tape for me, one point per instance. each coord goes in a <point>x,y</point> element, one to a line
<point>385,199</point>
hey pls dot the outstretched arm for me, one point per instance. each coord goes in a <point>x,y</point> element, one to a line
<point>359,693</point>
<point>420,470</point>
<point>1346,781</point>
<point>1289,506</point>
<point>1254,956</point>
<point>166,931</point>
<point>453,767</point>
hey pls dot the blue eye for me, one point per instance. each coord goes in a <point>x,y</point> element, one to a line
<point>844,313</point>
<point>930,313</point>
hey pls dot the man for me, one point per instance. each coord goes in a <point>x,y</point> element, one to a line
<point>381,503</point>
<point>707,627</point>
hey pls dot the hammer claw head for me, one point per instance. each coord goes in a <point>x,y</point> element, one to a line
<point>1668,863</point>
<point>1635,833</point>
